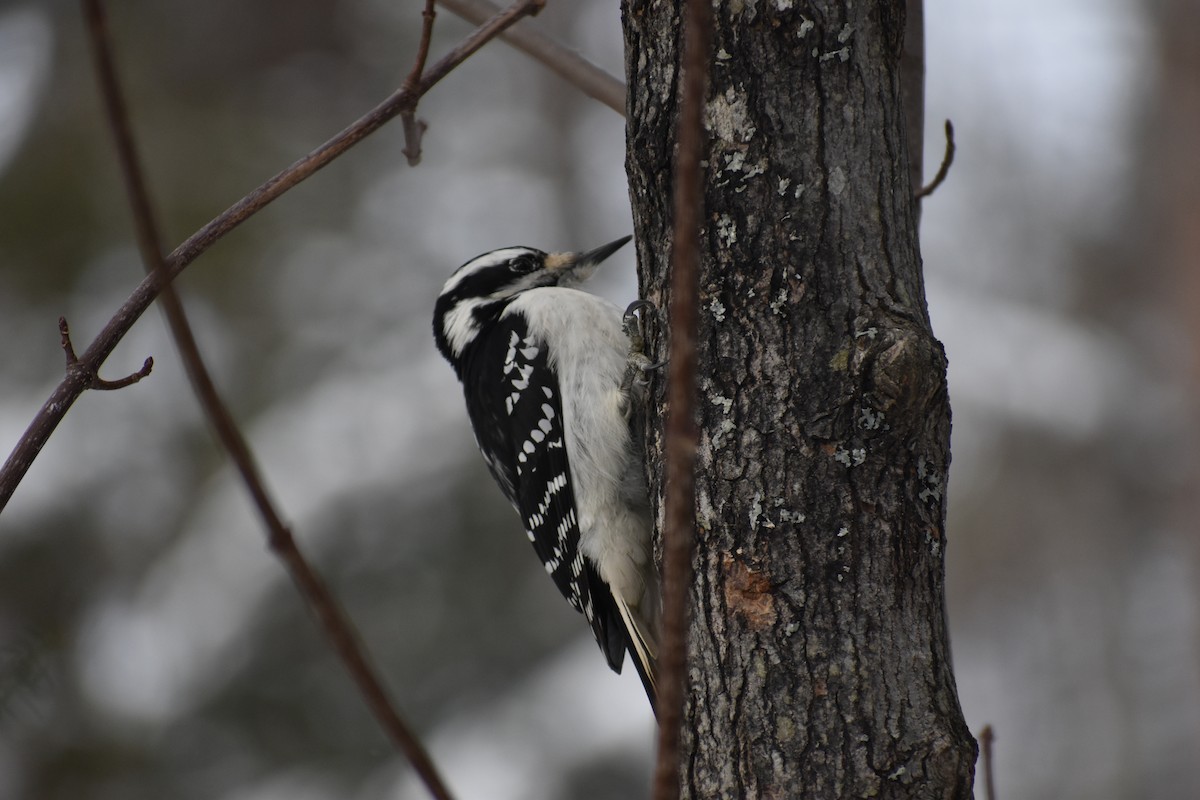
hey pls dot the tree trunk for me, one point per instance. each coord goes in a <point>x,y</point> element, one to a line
<point>819,663</point>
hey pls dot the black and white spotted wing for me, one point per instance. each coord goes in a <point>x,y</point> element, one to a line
<point>523,444</point>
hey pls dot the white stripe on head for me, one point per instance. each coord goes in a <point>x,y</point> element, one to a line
<point>492,259</point>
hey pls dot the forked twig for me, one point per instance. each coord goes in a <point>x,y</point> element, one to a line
<point>415,128</point>
<point>94,380</point>
<point>944,169</point>
<point>681,434</point>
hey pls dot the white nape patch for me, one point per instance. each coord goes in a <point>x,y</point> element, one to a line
<point>460,326</point>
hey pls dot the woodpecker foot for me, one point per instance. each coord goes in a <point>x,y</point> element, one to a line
<point>638,364</point>
<point>634,323</point>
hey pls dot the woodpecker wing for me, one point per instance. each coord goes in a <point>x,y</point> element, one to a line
<point>523,444</point>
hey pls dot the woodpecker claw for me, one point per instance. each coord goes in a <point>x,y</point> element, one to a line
<point>633,308</point>
<point>634,323</point>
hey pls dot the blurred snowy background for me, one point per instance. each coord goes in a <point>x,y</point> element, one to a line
<point>150,646</point>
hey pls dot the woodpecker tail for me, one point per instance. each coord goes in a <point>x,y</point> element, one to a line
<point>643,650</point>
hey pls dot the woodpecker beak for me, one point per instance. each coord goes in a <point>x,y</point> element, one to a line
<point>576,267</point>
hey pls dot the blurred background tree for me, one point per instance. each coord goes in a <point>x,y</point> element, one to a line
<point>151,647</point>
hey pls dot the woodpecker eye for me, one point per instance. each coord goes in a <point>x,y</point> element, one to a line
<point>525,265</point>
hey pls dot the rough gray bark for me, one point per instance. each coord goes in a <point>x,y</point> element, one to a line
<point>819,660</point>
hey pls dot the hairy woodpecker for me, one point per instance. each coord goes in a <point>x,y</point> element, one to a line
<point>547,374</point>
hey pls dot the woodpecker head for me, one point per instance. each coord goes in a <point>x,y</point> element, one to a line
<point>480,289</point>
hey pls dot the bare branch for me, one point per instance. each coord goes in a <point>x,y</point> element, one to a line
<point>681,433</point>
<point>568,64</point>
<point>486,32</point>
<point>944,169</point>
<point>413,127</point>
<point>66,393</point>
<point>64,335</point>
<point>333,620</point>
<point>102,385</point>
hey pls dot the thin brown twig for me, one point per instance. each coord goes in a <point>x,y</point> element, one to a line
<point>568,64</point>
<point>944,169</point>
<point>681,433</point>
<point>415,128</point>
<point>95,381</point>
<point>50,415</point>
<point>418,68</point>
<point>986,738</point>
<point>335,623</point>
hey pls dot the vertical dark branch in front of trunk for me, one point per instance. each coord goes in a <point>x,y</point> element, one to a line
<point>912,91</point>
<point>820,663</point>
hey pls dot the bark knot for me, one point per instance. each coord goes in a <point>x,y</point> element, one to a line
<point>907,371</point>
